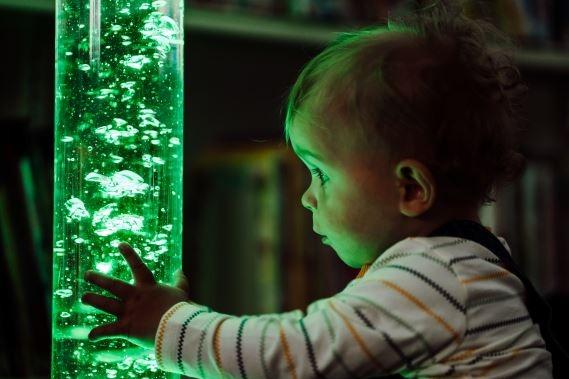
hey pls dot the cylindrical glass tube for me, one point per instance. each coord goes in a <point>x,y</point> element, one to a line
<point>118,167</point>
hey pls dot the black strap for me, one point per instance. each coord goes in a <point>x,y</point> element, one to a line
<point>539,309</point>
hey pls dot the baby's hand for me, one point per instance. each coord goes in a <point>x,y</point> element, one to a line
<point>138,307</point>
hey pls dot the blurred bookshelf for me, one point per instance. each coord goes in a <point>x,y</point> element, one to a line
<point>247,30</point>
<point>243,56</point>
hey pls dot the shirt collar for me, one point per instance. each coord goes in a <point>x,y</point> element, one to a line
<point>363,270</point>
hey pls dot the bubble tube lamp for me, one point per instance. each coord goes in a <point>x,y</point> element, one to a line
<point>118,167</point>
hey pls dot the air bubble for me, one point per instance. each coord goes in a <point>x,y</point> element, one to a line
<point>104,267</point>
<point>120,184</point>
<point>116,158</point>
<point>76,209</point>
<point>163,30</point>
<point>63,293</point>
<point>125,364</point>
<point>107,225</point>
<point>151,133</point>
<point>119,121</point>
<point>159,242</point>
<point>128,85</point>
<point>114,132</point>
<point>136,61</point>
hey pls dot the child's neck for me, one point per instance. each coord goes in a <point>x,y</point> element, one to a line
<point>424,226</point>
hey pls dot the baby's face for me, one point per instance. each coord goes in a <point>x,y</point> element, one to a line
<point>353,199</point>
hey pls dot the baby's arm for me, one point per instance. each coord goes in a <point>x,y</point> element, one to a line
<point>388,321</point>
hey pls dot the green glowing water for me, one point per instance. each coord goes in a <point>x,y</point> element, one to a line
<point>118,167</point>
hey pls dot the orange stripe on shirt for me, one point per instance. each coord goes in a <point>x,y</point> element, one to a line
<point>217,344</point>
<point>479,278</point>
<point>160,334</point>
<point>363,270</point>
<point>358,338</point>
<point>424,307</point>
<point>288,355</point>
<point>486,370</point>
<point>460,356</point>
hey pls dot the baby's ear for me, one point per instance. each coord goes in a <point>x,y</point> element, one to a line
<point>416,186</point>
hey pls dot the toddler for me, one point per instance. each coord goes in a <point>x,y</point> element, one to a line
<point>407,131</point>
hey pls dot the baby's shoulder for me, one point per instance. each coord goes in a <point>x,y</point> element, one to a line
<point>447,251</point>
<point>448,262</point>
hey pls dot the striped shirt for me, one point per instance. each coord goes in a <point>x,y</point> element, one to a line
<point>427,307</point>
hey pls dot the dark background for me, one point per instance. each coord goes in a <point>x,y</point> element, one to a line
<point>236,81</point>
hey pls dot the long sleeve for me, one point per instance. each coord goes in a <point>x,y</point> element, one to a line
<point>404,313</point>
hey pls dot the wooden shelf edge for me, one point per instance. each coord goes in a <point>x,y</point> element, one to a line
<point>29,5</point>
<point>258,27</point>
<point>555,60</point>
<point>272,29</point>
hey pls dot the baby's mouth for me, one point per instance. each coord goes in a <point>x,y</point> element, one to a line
<point>323,238</point>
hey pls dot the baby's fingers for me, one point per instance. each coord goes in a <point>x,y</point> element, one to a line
<point>116,287</point>
<point>115,329</point>
<point>103,303</point>
<point>140,272</point>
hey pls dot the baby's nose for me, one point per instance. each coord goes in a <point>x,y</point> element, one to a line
<point>308,201</point>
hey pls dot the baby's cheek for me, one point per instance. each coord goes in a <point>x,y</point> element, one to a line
<point>355,218</point>
<point>345,212</point>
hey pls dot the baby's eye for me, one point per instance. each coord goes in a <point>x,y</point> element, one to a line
<point>319,175</point>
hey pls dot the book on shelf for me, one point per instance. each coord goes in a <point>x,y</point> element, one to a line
<point>235,210</point>
<point>526,214</point>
